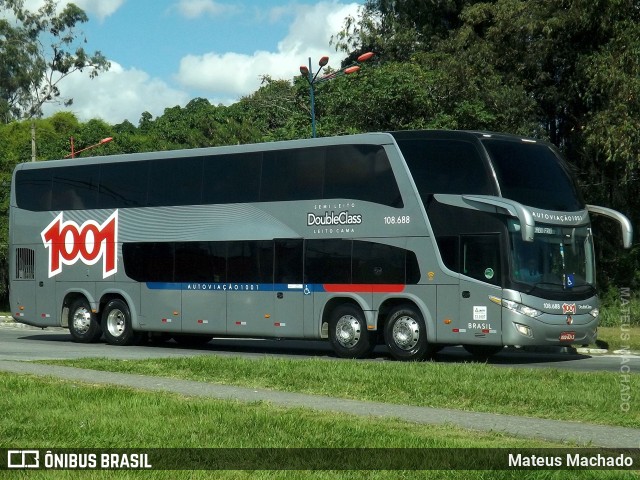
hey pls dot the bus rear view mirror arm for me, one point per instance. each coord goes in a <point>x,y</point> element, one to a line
<point>625,224</point>
<point>489,203</point>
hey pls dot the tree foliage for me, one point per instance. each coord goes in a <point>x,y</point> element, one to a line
<point>37,51</point>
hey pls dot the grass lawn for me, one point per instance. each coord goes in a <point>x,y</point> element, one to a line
<point>546,393</point>
<point>53,414</point>
<point>616,338</point>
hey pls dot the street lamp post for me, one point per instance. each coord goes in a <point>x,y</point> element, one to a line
<point>74,152</point>
<point>312,79</point>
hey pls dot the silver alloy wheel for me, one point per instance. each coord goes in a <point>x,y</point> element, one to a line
<point>81,320</point>
<point>348,331</point>
<point>116,322</point>
<point>406,332</point>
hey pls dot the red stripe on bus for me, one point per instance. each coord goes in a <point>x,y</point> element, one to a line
<point>363,288</point>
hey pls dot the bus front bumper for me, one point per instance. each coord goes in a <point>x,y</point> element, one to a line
<point>554,330</point>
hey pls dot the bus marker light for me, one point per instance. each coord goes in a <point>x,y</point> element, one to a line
<point>523,330</point>
<point>447,321</point>
<point>176,313</point>
<point>371,327</point>
<point>455,330</point>
<point>241,323</point>
<point>21,307</point>
<point>266,315</point>
<point>279,324</point>
<point>201,322</point>
<point>166,320</point>
<point>484,330</point>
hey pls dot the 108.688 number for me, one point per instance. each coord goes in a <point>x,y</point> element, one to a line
<point>399,220</point>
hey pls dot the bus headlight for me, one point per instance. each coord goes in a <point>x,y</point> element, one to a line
<point>516,307</point>
<point>594,313</point>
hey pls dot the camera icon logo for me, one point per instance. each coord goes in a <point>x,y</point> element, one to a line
<point>23,459</point>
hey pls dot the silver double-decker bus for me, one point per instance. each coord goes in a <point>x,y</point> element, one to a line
<point>417,239</point>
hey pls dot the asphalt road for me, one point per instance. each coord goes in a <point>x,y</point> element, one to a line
<point>39,344</point>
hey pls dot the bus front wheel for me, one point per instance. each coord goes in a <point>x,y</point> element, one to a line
<point>83,323</point>
<point>116,324</point>
<point>405,334</point>
<point>348,333</point>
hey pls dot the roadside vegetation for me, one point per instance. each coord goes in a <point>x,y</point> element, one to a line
<point>47,413</point>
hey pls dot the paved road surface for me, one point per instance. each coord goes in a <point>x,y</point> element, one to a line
<point>36,344</point>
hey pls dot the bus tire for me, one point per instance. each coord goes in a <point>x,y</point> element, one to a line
<point>405,334</point>
<point>83,323</point>
<point>348,333</point>
<point>483,351</point>
<point>116,324</point>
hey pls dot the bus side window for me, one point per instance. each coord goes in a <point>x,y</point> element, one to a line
<point>480,255</point>
<point>288,261</point>
<point>327,261</point>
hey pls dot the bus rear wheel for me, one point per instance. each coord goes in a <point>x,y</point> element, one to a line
<point>348,333</point>
<point>116,324</point>
<point>83,323</point>
<point>405,334</point>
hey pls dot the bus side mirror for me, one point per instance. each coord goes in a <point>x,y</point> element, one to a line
<point>625,224</point>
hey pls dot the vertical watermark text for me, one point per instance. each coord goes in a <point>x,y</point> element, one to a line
<point>625,350</point>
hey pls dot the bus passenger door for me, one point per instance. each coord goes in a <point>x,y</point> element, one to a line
<point>480,266</point>
<point>289,290</point>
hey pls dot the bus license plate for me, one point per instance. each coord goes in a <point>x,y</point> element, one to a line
<point>567,336</point>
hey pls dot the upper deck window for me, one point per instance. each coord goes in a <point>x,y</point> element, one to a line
<point>532,174</point>
<point>446,166</point>
<point>357,172</point>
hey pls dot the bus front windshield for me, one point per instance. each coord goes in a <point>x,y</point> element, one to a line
<point>560,259</point>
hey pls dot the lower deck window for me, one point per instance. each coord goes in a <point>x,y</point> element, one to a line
<point>271,261</point>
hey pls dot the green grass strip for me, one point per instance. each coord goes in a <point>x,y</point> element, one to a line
<point>49,413</point>
<point>593,397</point>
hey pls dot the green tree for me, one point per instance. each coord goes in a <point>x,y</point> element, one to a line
<point>273,112</point>
<point>397,29</point>
<point>37,51</point>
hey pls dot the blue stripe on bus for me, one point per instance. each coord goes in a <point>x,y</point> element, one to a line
<point>305,288</point>
<point>235,287</point>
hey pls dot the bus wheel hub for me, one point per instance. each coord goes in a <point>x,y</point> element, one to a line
<point>348,331</point>
<point>81,320</point>
<point>406,333</point>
